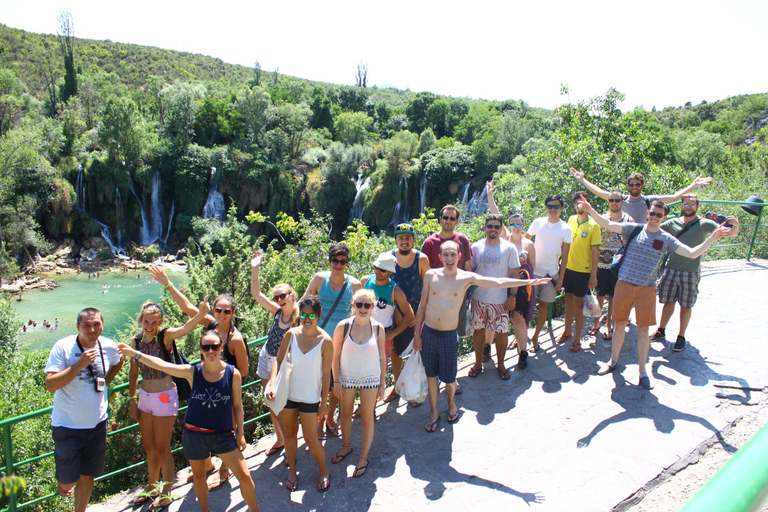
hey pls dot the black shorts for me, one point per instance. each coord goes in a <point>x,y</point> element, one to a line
<point>402,340</point>
<point>79,452</point>
<point>201,445</point>
<point>606,282</point>
<point>576,283</point>
<point>302,407</point>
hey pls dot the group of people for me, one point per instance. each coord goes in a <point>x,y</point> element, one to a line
<point>338,336</point>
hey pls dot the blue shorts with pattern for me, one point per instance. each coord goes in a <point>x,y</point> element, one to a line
<point>440,353</point>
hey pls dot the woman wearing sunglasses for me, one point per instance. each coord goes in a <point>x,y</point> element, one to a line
<point>360,362</point>
<point>214,420</point>
<point>520,302</point>
<point>310,351</point>
<point>285,312</point>
<point>157,402</point>
<point>233,350</point>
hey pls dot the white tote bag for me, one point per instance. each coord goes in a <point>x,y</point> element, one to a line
<point>281,384</point>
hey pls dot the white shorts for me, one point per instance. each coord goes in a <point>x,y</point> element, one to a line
<point>266,361</point>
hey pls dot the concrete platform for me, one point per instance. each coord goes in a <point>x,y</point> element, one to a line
<point>555,436</point>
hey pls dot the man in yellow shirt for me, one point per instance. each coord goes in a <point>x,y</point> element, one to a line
<point>581,270</point>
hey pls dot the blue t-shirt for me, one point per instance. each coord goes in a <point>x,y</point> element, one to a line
<point>328,297</point>
<point>642,257</point>
<point>210,404</point>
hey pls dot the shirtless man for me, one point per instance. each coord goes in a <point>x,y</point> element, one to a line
<point>437,320</point>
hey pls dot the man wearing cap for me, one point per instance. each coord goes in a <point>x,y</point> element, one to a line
<point>635,204</point>
<point>680,281</point>
<point>78,371</point>
<point>411,266</point>
<point>492,257</point>
<point>389,296</point>
<point>638,274</point>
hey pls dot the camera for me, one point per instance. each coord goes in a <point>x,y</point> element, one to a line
<point>717,217</point>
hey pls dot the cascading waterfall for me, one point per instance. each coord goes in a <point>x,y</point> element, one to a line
<point>423,192</point>
<point>118,217</point>
<point>465,193</point>
<point>80,189</point>
<point>170,222</point>
<point>402,208</point>
<point>106,234</point>
<point>478,205</point>
<point>144,228</point>
<point>156,212</point>
<point>357,206</point>
<point>214,206</point>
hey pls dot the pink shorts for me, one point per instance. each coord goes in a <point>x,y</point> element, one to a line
<point>164,403</point>
<point>492,317</point>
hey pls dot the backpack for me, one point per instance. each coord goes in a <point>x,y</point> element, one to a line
<point>183,388</point>
<point>618,258</point>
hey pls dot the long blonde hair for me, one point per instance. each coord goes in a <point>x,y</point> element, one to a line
<point>286,288</point>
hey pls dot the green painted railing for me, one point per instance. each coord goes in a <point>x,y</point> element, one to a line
<point>741,485</point>
<point>11,466</point>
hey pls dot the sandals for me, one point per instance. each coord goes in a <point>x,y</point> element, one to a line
<point>339,457</point>
<point>217,485</point>
<point>360,471</point>
<point>274,450</point>
<point>292,485</point>
<point>608,335</point>
<point>593,331</point>
<point>70,492</point>
<point>534,346</point>
<point>575,346</point>
<point>453,418</point>
<point>608,369</point>
<point>563,338</point>
<point>392,396</point>
<point>474,372</point>
<point>156,507</point>
<point>503,375</point>
<point>333,431</point>
<point>324,483</point>
<point>431,427</point>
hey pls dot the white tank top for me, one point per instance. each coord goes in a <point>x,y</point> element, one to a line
<point>360,366</point>
<point>306,383</point>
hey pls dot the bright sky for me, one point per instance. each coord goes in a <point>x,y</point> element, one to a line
<point>658,52</point>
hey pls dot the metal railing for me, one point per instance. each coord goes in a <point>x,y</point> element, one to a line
<point>11,466</point>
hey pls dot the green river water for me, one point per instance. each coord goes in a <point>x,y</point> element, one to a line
<point>118,295</point>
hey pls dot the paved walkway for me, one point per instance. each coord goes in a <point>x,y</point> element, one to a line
<point>555,436</point>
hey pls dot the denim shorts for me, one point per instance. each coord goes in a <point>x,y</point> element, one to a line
<point>201,445</point>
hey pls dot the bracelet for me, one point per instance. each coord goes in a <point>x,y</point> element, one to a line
<point>337,382</point>
<point>168,286</point>
<point>133,398</point>
<point>137,356</point>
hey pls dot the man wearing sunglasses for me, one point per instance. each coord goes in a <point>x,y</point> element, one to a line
<point>449,218</point>
<point>610,243</point>
<point>636,204</point>
<point>335,290</point>
<point>680,280</point>
<point>78,371</point>
<point>552,243</point>
<point>638,274</point>
<point>492,257</point>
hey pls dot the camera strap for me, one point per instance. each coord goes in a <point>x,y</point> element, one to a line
<point>101,353</point>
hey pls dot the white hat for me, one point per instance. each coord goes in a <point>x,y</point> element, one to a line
<point>386,261</point>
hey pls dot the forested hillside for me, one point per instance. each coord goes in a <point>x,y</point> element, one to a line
<point>147,146</point>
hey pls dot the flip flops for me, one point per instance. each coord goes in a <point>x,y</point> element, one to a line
<point>453,418</point>
<point>563,338</point>
<point>339,457</point>
<point>70,492</point>
<point>593,331</point>
<point>608,335</point>
<point>503,375</point>
<point>576,346</point>
<point>360,471</point>
<point>474,372</point>
<point>217,485</point>
<point>324,483</point>
<point>156,507</point>
<point>292,485</point>
<point>431,427</point>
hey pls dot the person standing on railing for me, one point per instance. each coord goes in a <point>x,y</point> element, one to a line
<point>285,312</point>
<point>214,420</point>
<point>157,402</point>
<point>680,280</point>
<point>78,371</point>
<point>234,350</point>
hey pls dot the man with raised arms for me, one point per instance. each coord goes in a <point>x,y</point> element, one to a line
<point>636,204</point>
<point>437,320</point>
<point>638,274</point>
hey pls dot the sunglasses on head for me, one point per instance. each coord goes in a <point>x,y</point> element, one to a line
<point>339,262</point>
<point>280,296</point>
<point>611,200</point>
<point>634,185</point>
<point>553,207</point>
<point>209,348</point>
<point>311,316</point>
<point>219,311</point>
<point>493,226</point>
<point>515,224</point>
<point>446,217</point>
<point>363,305</point>
<point>657,214</point>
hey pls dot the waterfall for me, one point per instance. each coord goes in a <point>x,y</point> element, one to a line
<point>118,216</point>
<point>357,208</point>
<point>423,192</point>
<point>170,222</point>
<point>80,189</point>
<point>156,212</point>
<point>144,228</point>
<point>402,208</point>
<point>464,193</point>
<point>478,205</point>
<point>106,234</point>
<point>214,206</point>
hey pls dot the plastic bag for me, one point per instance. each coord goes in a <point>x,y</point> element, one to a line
<point>591,308</point>
<point>412,384</point>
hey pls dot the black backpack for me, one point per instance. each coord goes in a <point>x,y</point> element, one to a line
<point>618,258</point>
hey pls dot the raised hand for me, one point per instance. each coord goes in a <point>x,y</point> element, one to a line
<point>158,274</point>
<point>578,175</point>
<point>702,180</point>
<point>257,259</point>
<point>204,308</point>
<point>491,187</point>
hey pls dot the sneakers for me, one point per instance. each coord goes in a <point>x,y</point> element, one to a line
<point>679,345</point>
<point>522,361</point>
<point>658,335</point>
<point>486,353</point>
